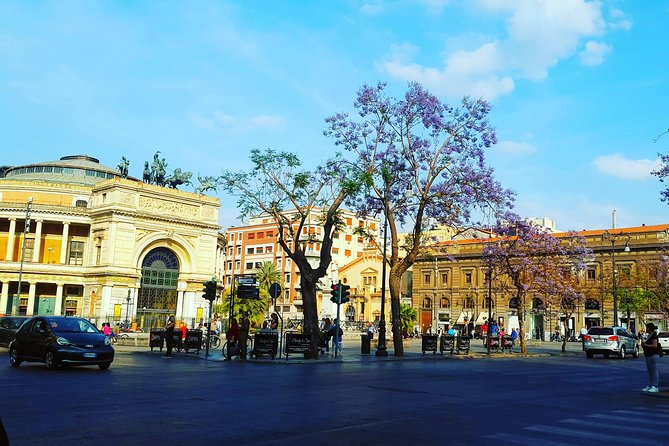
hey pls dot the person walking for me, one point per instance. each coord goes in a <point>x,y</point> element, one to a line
<point>244,328</point>
<point>327,334</point>
<point>232,336</point>
<point>584,331</point>
<point>371,329</point>
<point>651,351</point>
<point>169,336</point>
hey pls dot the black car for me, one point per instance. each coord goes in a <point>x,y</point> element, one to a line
<point>56,340</point>
<point>8,327</point>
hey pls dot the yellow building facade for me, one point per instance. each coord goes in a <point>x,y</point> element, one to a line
<point>76,238</point>
<point>450,285</point>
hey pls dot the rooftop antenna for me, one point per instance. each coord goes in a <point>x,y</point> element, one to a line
<point>614,219</point>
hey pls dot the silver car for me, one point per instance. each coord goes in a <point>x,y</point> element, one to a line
<point>610,340</point>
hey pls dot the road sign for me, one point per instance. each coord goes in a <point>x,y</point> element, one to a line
<point>242,280</point>
<point>275,290</point>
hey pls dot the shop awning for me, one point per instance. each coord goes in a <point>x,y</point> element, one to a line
<point>483,317</point>
<point>469,315</point>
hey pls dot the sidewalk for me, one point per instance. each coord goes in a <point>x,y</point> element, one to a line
<point>352,347</point>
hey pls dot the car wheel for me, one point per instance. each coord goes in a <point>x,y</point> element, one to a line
<point>50,361</point>
<point>622,353</point>
<point>104,365</point>
<point>14,357</point>
<point>635,354</point>
<point>589,355</point>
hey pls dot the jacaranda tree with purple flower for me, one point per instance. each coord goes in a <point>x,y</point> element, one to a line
<point>423,160</point>
<point>530,261</point>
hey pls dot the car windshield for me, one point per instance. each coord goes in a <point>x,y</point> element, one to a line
<point>601,331</point>
<point>14,323</point>
<point>71,326</point>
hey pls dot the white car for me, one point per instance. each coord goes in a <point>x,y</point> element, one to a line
<point>610,341</point>
<point>663,337</point>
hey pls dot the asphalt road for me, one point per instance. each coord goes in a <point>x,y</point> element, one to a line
<point>146,400</point>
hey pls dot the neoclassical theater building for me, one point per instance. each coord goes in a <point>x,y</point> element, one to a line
<point>77,238</point>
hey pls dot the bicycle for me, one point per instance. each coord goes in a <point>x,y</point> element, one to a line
<point>214,341</point>
<point>235,348</point>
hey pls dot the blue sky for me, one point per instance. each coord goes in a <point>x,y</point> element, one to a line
<point>579,88</point>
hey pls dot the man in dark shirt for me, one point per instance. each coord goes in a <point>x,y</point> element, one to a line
<point>169,336</point>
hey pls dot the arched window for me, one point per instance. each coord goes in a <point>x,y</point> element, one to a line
<point>486,300</point>
<point>537,304</point>
<point>427,303</point>
<point>513,302</point>
<point>444,303</point>
<point>468,303</point>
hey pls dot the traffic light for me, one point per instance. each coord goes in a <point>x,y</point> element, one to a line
<point>345,293</point>
<point>209,289</point>
<point>335,293</point>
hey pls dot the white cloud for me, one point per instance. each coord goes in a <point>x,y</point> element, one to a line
<point>267,120</point>
<point>594,53</point>
<point>539,34</point>
<point>619,20</point>
<point>435,6</point>
<point>618,166</point>
<point>372,8</point>
<point>516,148</point>
<point>219,120</point>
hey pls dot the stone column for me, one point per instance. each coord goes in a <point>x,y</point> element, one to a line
<point>63,242</point>
<point>180,303</point>
<point>31,299</point>
<point>38,241</point>
<point>4,295</point>
<point>59,300</point>
<point>9,256</point>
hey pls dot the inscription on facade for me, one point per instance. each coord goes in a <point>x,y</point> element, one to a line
<point>169,207</point>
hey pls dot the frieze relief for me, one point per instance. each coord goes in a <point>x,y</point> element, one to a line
<point>167,207</point>
<point>128,198</point>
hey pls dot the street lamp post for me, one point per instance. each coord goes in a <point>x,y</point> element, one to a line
<point>381,349</point>
<point>613,238</point>
<point>127,311</point>
<point>26,230</point>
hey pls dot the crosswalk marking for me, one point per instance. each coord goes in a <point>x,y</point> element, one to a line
<point>622,426</point>
<point>628,427</point>
<point>574,433</point>
<point>525,439</point>
<point>636,418</point>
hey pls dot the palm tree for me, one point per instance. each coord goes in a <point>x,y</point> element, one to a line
<point>267,275</point>
<point>408,317</point>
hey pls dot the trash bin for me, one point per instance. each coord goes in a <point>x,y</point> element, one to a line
<point>193,340</point>
<point>366,342</point>
<point>157,338</point>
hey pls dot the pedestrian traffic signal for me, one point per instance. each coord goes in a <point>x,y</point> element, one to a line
<point>209,289</point>
<point>345,293</point>
<point>335,293</point>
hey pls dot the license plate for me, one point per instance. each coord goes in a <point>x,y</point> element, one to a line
<point>600,340</point>
<point>89,355</point>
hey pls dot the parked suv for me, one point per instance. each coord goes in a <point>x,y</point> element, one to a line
<point>610,340</point>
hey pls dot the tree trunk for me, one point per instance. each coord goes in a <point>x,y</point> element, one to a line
<point>395,279</point>
<point>308,284</point>
<point>521,322</point>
